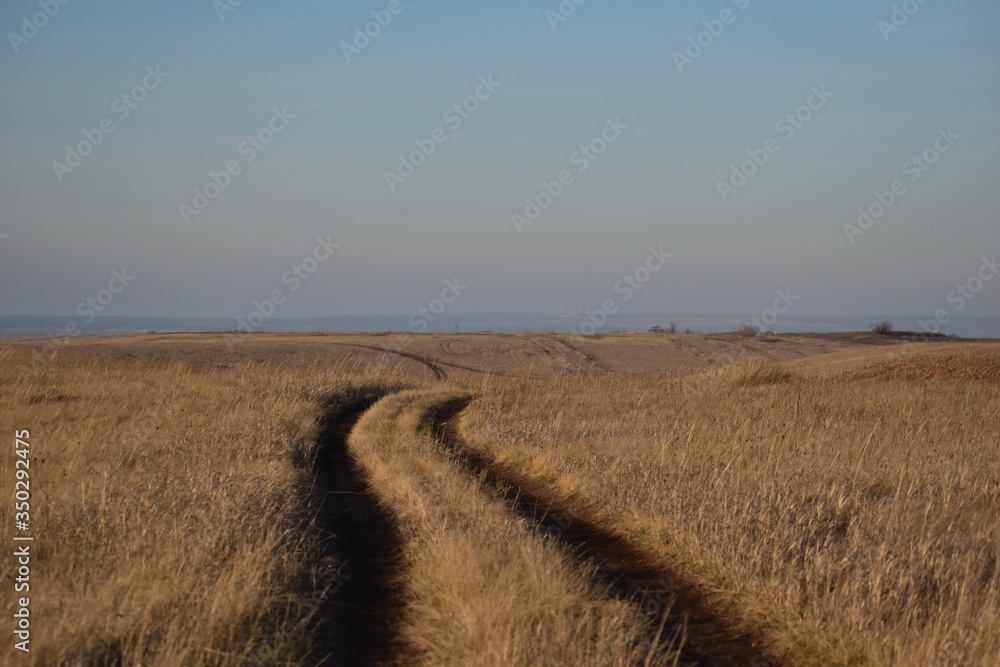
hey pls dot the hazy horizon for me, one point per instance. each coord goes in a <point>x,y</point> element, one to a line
<point>638,222</point>
<point>54,326</point>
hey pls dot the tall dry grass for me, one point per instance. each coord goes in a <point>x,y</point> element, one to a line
<point>484,588</point>
<point>852,509</point>
<point>172,511</point>
<point>849,504</point>
<point>170,503</point>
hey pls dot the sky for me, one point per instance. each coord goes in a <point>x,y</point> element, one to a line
<point>648,111</point>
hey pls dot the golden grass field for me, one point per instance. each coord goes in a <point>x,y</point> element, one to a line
<point>487,499</point>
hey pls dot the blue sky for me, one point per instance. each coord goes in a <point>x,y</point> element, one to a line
<point>324,175</point>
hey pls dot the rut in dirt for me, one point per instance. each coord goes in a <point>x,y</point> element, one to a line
<point>429,363</point>
<point>626,571</point>
<point>359,619</point>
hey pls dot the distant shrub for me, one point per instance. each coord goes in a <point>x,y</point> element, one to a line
<point>749,330</point>
<point>884,328</point>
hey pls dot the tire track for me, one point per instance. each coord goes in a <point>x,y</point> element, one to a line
<point>435,365</point>
<point>587,360</point>
<point>748,347</point>
<point>754,348</point>
<point>358,620</point>
<point>557,355</point>
<point>429,362</point>
<point>630,573</point>
<point>687,349</point>
<point>484,371</point>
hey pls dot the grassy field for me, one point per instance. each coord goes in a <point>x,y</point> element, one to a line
<point>508,499</point>
<point>849,508</point>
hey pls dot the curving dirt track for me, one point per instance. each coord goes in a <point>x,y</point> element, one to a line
<point>630,573</point>
<point>748,347</point>
<point>431,364</point>
<point>687,349</point>
<point>570,358</point>
<point>754,348</point>
<point>447,346</point>
<point>578,360</point>
<point>358,619</point>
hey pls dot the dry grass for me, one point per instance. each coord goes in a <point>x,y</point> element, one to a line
<point>484,589</point>
<point>847,504</point>
<point>753,372</point>
<point>169,515</point>
<point>851,511</point>
<point>171,504</point>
